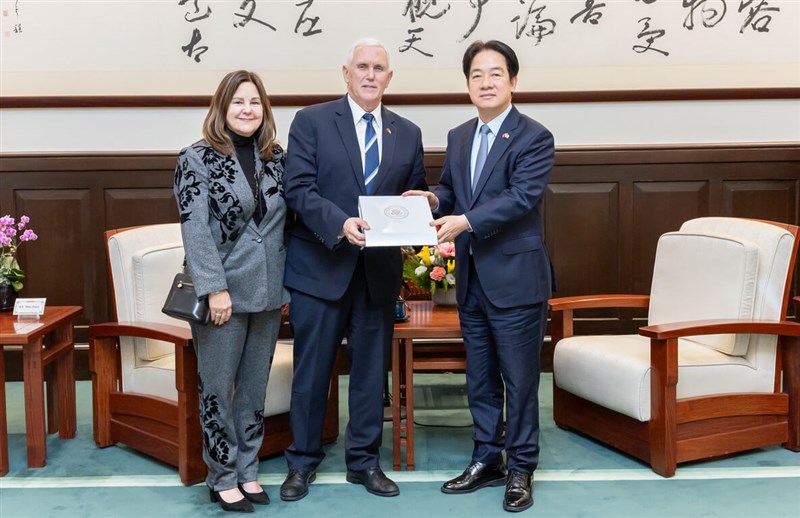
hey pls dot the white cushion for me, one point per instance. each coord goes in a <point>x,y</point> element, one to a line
<point>774,250</point>
<point>157,378</point>
<point>121,248</point>
<point>279,388</point>
<point>614,372</point>
<point>154,268</point>
<point>704,276</point>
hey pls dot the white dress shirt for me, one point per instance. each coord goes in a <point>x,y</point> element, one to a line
<point>361,127</point>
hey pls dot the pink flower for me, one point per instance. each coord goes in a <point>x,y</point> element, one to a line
<point>5,240</point>
<point>438,273</point>
<point>446,250</point>
<point>24,219</point>
<point>28,235</point>
<point>11,231</point>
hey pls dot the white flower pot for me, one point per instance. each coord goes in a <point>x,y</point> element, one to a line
<point>444,298</point>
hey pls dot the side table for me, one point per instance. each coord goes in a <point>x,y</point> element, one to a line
<point>45,341</point>
<point>426,321</point>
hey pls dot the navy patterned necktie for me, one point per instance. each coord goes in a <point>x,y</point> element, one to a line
<point>483,151</point>
<point>371,159</point>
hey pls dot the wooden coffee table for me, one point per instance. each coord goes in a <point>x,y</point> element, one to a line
<point>410,355</point>
<point>45,341</point>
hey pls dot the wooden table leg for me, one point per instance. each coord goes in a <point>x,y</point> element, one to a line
<point>65,383</point>
<point>3,424</point>
<point>33,377</point>
<point>396,404</point>
<point>51,400</point>
<point>409,357</point>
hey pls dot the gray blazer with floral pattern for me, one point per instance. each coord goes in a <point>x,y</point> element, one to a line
<point>225,249</point>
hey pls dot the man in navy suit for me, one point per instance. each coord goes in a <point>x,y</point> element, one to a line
<point>491,189</point>
<point>338,151</point>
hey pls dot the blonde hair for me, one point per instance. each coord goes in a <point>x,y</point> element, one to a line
<point>214,124</point>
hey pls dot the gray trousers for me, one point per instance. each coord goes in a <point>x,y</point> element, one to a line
<point>233,363</point>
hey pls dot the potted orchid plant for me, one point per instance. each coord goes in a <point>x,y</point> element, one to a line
<point>12,235</point>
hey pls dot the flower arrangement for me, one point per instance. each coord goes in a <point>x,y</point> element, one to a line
<point>432,267</point>
<point>12,234</point>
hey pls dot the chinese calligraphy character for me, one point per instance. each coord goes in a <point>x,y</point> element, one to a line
<point>419,8</point>
<point>247,18</point>
<point>539,28</point>
<point>304,19</point>
<point>17,28</point>
<point>589,14</point>
<point>196,11</point>
<point>413,39</point>
<point>192,50</point>
<point>478,5</point>
<point>710,14</point>
<point>650,37</point>
<point>762,23</point>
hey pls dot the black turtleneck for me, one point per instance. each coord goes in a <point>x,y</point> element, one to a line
<point>245,153</point>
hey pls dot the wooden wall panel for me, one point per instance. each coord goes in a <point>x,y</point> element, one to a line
<point>592,242</point>
<point>660,207</point>
<point>55,264</point>
<point>604,210</point>
<point>774,200</point>
<point>131,207</point>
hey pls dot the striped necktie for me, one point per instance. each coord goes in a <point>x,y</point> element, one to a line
<point>371,158</point>
<point>483,151</point>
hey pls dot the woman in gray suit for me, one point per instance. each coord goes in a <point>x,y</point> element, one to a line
<point>230,197</point>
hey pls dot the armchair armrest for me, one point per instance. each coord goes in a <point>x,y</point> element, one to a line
<point>712,327</point>
<point>561,309</point>
<point>166,332</point>
<point>599,301</point>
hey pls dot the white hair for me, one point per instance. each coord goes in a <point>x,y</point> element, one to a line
<point>365,42</point>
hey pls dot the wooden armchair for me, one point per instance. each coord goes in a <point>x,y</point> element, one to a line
<point>144,369</point>
<point>716,371</point>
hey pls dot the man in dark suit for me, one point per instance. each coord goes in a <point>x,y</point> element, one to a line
<point>338,151</point>
<point>491,189</point>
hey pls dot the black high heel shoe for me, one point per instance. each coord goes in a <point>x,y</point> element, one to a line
<point>261,498</point>
<point>239,506</point>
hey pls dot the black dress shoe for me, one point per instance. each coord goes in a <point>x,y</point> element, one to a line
<point>239,506</point>
<point>519,492</point>
<point>476,476</point>
<point>261,498</point>
<point>374,480</point>
<point>296,484</point>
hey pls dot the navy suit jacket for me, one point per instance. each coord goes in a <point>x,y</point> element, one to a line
<point>505,211</point>
<point>323,180</point>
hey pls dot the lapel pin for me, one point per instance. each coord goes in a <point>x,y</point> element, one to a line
<point>389,131</point>
<point>505,136</point>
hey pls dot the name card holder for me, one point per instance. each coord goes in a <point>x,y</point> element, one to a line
<point>29,309</point>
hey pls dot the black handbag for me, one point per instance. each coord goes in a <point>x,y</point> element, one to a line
<point>182,302</point>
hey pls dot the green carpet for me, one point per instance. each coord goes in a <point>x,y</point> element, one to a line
<point>577,477</point>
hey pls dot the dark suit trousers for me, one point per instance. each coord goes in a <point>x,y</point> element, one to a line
<point>503,345</point>
<point>319,326</point>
